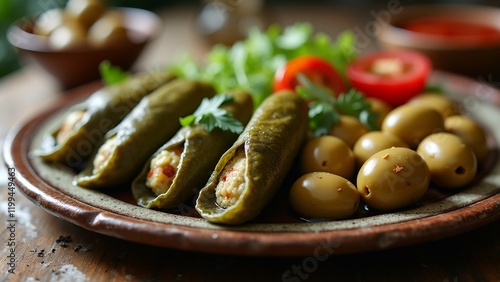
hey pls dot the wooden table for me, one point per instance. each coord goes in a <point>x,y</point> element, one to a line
<point>50,249</point>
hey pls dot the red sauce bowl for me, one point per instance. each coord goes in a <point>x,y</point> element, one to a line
<point>462,39</point>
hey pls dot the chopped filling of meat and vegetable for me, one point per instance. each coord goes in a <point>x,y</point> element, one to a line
<point>68,125</point>
<point>163,170</point>
<point>232,181</point>
<point>103,155</point>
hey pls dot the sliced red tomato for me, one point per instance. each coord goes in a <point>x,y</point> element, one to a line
<point>392,76</point>
<point>317,70</point>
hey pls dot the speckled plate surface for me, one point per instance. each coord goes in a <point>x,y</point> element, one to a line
<point>276,231</point>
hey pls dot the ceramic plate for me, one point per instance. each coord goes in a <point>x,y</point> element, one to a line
<point>277,231</point>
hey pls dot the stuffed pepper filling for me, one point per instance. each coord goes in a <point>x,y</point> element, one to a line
<point>105,152</point>
<point>163,170</point>
<point>231,182</point>
<point>68,125</point>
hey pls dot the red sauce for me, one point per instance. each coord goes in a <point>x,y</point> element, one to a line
<point>454,29</point>
<point>169,170</point>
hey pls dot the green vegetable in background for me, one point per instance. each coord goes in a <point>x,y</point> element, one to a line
<point>10,11</point>
<point>111,74</point>
<point>251,64</point>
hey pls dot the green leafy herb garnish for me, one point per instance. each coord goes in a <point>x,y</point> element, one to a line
<point>325,109</point>
<point>322,116</point>
<point>252,63</point>
<point>212,116</point>
<point>111,74</point>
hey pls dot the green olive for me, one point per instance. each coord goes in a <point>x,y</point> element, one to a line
<point>444,105</point>
<point>327,154</point>
<point>451,163</point>
<point>348,129</point>
<point>393,178</point>
<point>322,195</point>
<point>471,133</point>
<point>412,123</point>
<point>69,35</point>
<point>381,108</point>
<point>108,30</point>
<point>86,11</point>
<point>373,142</point>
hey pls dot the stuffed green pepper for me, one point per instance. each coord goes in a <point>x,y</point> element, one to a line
<point>183,165</point>
<point>84,125</point>
<point>248,174</point>
<point>148,126</point>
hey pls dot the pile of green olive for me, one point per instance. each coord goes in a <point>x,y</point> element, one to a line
<point>425,141</point>
<point>82,23</point>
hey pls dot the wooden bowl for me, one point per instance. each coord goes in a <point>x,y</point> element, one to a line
<point>474,53</point>
<point>75,66</point>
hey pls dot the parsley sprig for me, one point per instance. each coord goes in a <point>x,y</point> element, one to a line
<point>325,109</point>
<point>251,64</point>
<point>111,74</point>
<point>211,115</point>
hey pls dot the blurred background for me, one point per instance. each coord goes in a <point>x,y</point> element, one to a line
<point>11,10</point>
